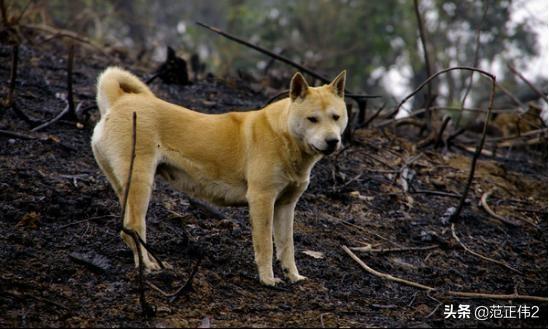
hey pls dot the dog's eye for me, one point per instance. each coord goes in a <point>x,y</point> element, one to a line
<point>336,117</point>
<point>312,119</point>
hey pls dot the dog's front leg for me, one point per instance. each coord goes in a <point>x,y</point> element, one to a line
<point>261,216</point>
<point>284,240</point>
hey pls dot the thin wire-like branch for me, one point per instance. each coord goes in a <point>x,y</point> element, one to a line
<point>449,292</point>
<point>428,66</point>
<point>389,250</point>
<point>15,134</point>
<point>281,58</point>
<point>4,13</point>
<point>52,121</point>
<point>70,94</point>
<point>65,34</point>
<point>476,55</point>
<point>372,118</point>
<point>146,308</point>
<point>474,253</point>
<point>429,79</point>
<point>438,138</point>
<point>530,84</point>
<point>8,102</point>
<point>542,131</point>
<point>486,207</point>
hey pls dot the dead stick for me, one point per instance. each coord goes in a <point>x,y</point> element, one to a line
<point>280,58</point>
<point>428,66</point>
<point>70,96</point>
<point>145,307</point>
<point>4,13</point>
<point>450,293</point>
<point>429,79</point>
<point>484,204</point>
<point>438,108</point>
<point>530,84</point>
<point>523,135</point>
<point>478,151</point>
<point>52,121</point>
<point>13,75</point>
<point>388,250</point>
<point>474,253</point>
<point>15,134</point>
<point>475,59</point>
<point>372,118</point>
<point>441,131</point>
<point>65,34</point>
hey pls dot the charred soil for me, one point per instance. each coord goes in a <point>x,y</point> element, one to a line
<point>62,262</point>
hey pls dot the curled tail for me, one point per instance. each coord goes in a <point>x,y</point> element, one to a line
<point>115,82</point>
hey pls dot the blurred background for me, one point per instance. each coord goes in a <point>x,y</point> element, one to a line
<point>377,41</point>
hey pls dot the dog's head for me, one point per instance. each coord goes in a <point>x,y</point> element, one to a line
<point>317,115</point>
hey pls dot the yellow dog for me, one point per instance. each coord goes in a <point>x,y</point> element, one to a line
<point>261,158</point>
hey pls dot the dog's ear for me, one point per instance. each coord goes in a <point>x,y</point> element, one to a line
<point>298,87</point>
<point>338,85</point>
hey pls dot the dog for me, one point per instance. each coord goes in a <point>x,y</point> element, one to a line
<point>260,158</point>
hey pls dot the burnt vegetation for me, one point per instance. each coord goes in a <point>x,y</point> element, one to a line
<point>412,214</point>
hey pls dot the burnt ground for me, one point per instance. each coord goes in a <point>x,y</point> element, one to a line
<point>55,204</point>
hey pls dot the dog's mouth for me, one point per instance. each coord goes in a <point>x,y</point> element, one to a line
<point>325,152</point>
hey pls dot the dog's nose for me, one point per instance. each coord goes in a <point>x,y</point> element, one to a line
<point>332,143</point>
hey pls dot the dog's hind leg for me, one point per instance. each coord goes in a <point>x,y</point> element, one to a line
<point>136,208</point>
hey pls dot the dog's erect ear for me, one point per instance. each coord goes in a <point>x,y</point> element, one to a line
<point>338,85</point>
<point>298,87</point>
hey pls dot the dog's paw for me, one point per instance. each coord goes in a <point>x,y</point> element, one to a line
<point>272,281</point>
<point>295,277</point>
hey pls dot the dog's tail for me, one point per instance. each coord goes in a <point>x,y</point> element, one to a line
<point>113,83</point>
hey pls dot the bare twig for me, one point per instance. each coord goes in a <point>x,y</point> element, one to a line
<point>438,138</point>
<point>440,193</point>
<point>65,34</point>
<point>70,96</point>
<point>372,118</point>
<point>146,308</point>
<point>86,220</point>
<point>484,204</point>
<point>450,292</point>
<point>52,121</point>
<point>15,134</point>
<point>184,288</point>
<point>388,250</point>
<point>474,253</point>
<point>530,84</point>
<point>4,13</point>
<point>510,95</point>
<point>437,108</point>
<point>282,59</point>
<point>429,79</point>
<point>13,76</point>
<point>475,61</point>
<point>428,66</point>
<point>69,111</point>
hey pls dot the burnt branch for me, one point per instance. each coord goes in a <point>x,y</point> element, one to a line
<point>9,101</point>
<point>283,59</point>
<point>147,309</point>
<point>530,84</point>
<point>462,294</point>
